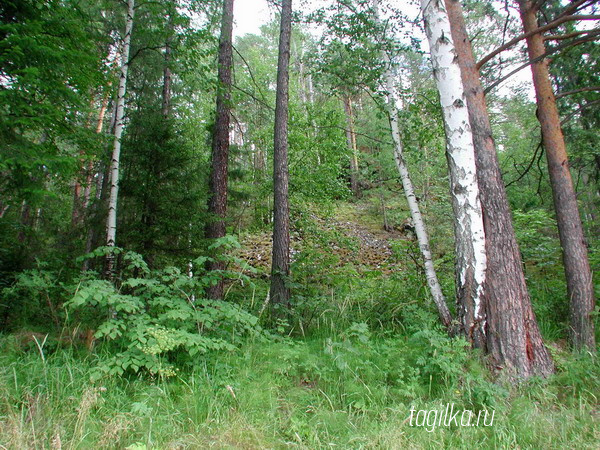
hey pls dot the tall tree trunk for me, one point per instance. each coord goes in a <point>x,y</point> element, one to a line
<point>580,287</point>
<point>468,221</point>
<point>217,204</point>
<point>420,229</point>
<point>77,188</point>
<point>166,94</point>
<point>101,195</point>
<point>310,97</point>
<point>111,222</point>
<point>280,268</point>
<point>310,88</point>
<point>90,168</point>
<point>299,67</point>
<point>25,222</point>
<point>409,191</point>
<point>509,333</point>
<point>351,140</point>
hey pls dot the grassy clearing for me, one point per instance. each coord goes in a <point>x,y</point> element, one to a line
<point>347,391</point>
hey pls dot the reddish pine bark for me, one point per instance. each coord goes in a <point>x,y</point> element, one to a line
<point>580,287</point>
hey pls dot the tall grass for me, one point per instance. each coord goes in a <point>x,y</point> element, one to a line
<point>348,391</point>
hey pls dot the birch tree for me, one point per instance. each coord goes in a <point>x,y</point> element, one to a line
<point>351,141</point>
<point>415,211</point>
<point>468,222</point>
<point>111,222</point>
<point>420,229</point>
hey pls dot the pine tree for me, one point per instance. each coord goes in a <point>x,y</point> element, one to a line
<point>580,287</point>
<point>217,204</point>
<point>280,269</point>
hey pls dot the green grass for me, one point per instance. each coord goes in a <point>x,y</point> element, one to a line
<point>335,384</point>
<point>347,391</point>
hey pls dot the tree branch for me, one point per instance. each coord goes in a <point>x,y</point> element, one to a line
<point>541,29</point>
<point>249,94</point>
<point>529,166</point>
<point>539,187</point>
<point>506,22</point>
<point>574,113</point>
<point>379,141</point>
<point>577,91</point>
<point>561,37</point>
<point>141,49</point>
<point>591,37</point>
<point>575,7</point>
<point>537,4</point>
<point>250,72</point>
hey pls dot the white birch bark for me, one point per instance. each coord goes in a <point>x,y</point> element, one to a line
<point>415,212</point>
<point>310,88</point>
<point>111,222</point>
<point>468,224</point>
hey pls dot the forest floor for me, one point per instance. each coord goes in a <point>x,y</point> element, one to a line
<point>369,352</point>
<point>352,232</point>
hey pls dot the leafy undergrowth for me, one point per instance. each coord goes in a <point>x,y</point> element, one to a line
<point>350,390</point>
